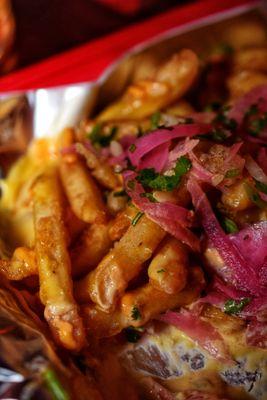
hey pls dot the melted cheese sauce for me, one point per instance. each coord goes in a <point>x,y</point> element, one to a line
<point>16,219</point>
<point>187,366</point>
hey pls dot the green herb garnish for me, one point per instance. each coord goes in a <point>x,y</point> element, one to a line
<point>257,125</point>
<point>262,187</point>
<point>137,217</point>
<point>98,139</point>
<point>135,313</point>
<point>234,306</point>
<point>224,121</point>
<point>131,184</point>
<point>149,178</point>
<point>54,386</point>
<point>223,49</point>
<point>255,121</point>
<point>155,119</point>
<point>232,173</point>
<point>254,196</point>
<point>120,193</point>
<point>214,106</point>
<point>218,135</point>
<point>253,110</point>
<point>132,148</point>
<point>229,225</point>
<point>150,197</point>
<point>133,334</point>
<point>159,271</point>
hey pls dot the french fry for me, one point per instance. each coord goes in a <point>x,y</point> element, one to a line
<point>82,192</point>
<point>100,169</point>
<point>73,224</point>
<point>53,262</point>
<point>90,248</point>
<point>140,305</point>
<point>116,201</point>
<point>107,282</point>
<point>21,265</point>
<point>170,83</point>
<point>168,268</point>
<point>99,323</point>
<point>122,222</point>
<point>242,82</point>
<point>254,59</point>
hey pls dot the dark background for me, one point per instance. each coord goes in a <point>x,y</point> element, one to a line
<point>47,27</point>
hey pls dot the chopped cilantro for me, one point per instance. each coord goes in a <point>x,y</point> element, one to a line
<point>139,131</point>
<point>253,110</point>
<point>218,135</point>
<point>155,119</point>
<point>135,313</point>
<point>54,385</point>
<point>225,122</point>
<point>214,106</point>
<point>234,307</point>
<point>229,225</point>
<point>183,165</point>
<point>232,173</point>
<point>133,334</point>
<point>120,193</point>
<point>165,183</point>
<point>254,196</point>
<point>131,184</point>
<point>159,271</point>
<point>257,125</point>
<point>132,148</point>
<point>137,217</point>
<point>262,187</point>
<point>150,197</point>
<point>188,120</point>
<point>148,177</point>
<point>98,138</point>
<point>223,49</point>
<point>255,121</point>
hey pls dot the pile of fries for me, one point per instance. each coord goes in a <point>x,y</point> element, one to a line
<point>70,235</point>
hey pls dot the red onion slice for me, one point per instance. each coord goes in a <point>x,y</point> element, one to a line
<point>238,271</point>
<point>200,331</point>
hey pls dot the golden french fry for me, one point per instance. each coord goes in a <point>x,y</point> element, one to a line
<point>66,138</point>
<point>236,197</point>
<point>100,169</point>
<point>168,268</point>
<point>116,201</point>
<point>246,34</point>
<point>53,262</point>
<point>82,192</point>
<point>73,224</point>
<point>170,83</point>
<point>144,303</point>
<point>242,82</point>
<point>139,306</point>
<point>181,109</point>
<point>251,59</point>
<point>122,222</point>
<point>109,280</point>
<point>99,323</point>
<point>90,248</point>
<point>22,264</point>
